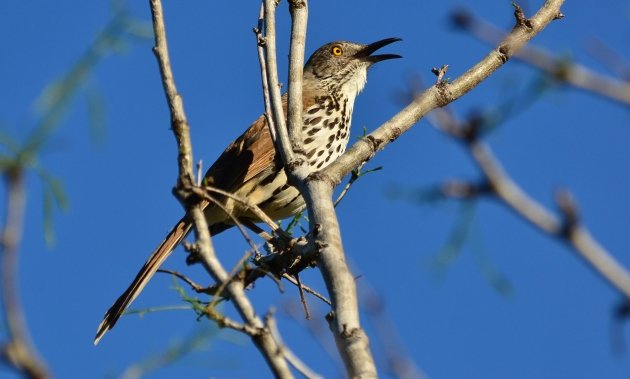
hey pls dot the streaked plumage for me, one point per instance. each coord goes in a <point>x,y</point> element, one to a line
<point>250,168</point>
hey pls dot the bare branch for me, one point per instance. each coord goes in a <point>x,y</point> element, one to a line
<point>295,361</point>
<point>196,287</point>
<point>561,69</point>
<point>441,94</point>
<point>439,72</point>
<point>398,361</point>
<point>307,289</point>
<point>262,216</point>
<point>344,322</point>
<point>299,16</point>
<point>261,42</point>
<point>264,342</point>
<point>176,105</point>
<point>307,312</point>
<point>351,340</point>
<point>225,322</point>
<point>283,144</point>
<point>19,351</point>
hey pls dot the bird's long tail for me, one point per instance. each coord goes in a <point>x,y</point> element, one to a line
<point>174,237</point>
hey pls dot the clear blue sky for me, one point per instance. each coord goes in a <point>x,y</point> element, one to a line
<point>555,323</point>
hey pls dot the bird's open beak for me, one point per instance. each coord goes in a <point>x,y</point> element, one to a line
<point>366,52</point>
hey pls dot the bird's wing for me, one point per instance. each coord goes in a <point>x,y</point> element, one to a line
<point>250,154</point>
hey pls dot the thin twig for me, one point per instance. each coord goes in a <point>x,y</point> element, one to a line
<point>235,271</point>
<point>176,105</point>
<point>259,213</point>
<point>398,361</point>
<point>307,313</point>
<point>354,176</point>
<point>225,322</point>
<point>293,359</point>
<point>260,43</point>
<point>169,355</point>
<point>235,220</point>
<point>19,351</point>
<point>195,287</point>
<point>307,289</point>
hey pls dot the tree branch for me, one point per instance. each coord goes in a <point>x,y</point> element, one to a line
<point>561,69</point>
<point>179,122</point>
<point>295,361</point>
<point>19,350</point>
<point>264,341</point>
<point>352,342</point>
<point>299,17</point>
<point>351,339</point>
<point>282,143</point>
<point>442,94</point>
<point>567,228</point>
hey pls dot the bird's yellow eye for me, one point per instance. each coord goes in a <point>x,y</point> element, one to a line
<point>337,51</point>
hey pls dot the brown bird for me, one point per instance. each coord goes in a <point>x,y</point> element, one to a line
<point>250,168</point>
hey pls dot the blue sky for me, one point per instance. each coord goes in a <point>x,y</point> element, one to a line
<point>554,322</point>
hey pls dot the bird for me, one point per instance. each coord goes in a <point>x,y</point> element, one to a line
<point>250,167</point>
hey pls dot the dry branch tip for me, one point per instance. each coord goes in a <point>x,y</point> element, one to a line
<point>521,20</point>
<point>440,72</point>
<point>569,211</point>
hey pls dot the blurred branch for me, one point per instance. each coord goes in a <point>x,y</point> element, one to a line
<point>178,350</point>
<point>293,359</point>
<point>561,69</point>
<point>607,56</point>
<point>55,100</point>
<point>398,362</point>
<point>263,340</point>
<point>19,351</point>
<point>567,226</point>
<point>19,157</point>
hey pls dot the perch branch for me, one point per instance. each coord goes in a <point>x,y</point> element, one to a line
<point>264,342</point>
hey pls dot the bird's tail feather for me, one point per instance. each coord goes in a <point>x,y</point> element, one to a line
<point>174,237</point>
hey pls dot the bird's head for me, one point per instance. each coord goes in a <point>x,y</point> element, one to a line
<point>342,66</point>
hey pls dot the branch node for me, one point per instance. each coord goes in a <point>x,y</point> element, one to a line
<point>322,177</point>
<point>471,129</point>
<point>464,189</point>
<point>296,4</point>
<point>521,20</point>
<point>440,72</point>
<point>374,142</point>
<point>260,39</point>
<point>568,209</point>
<point>299,161</point>
<point>504,53</point>
<point>461,18</point>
